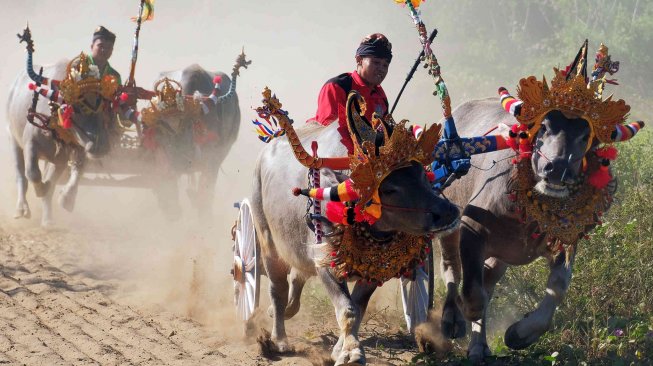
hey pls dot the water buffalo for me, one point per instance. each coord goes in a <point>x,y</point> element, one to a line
<point>409,206</point>
<point>537,203</point>
<point>198,143</point>
<point>86,136</point>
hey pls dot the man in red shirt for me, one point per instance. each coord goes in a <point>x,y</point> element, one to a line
<point>373,58</point>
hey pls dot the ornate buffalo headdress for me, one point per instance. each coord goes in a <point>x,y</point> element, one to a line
<point>82,78</point>
<point>169,101</point>
<point>571,92</point>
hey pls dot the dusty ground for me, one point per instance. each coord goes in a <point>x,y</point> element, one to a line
<point>97,294</point>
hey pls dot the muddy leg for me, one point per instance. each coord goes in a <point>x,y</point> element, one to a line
<point>472,248</point>
<point>529,329</point>
<point>22,208</point>
<point>453,323</point>
<point>478,348</point>
<point>277,272</point>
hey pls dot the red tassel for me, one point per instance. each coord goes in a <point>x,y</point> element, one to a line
<point>123,97</point>
<point>336,212</point>
<point>512,143</point>
<point>31,86</point>
<point>67,117</point>
<point>608,152</point>
<point>430,176</point>
<point>600,178</point>
<point>217,79</point>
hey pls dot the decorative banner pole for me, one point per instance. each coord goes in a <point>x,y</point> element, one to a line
<point>412,71</point>
<point>145,12</point>
<point>452,154</point>
<point>431,63</point>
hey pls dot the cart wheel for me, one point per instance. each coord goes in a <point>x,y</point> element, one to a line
<point>417,293</point>
<point>246,263</point>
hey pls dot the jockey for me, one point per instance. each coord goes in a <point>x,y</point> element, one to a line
<point>373,58</point>
<point>101,50</point>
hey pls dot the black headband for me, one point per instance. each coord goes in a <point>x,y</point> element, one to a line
<point>375,48</point>
<point>101,32</point>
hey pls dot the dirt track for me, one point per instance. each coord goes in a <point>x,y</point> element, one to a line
<point>69,297</point>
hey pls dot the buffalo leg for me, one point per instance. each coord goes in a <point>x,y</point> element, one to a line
<point>68,193</point>
<point>296,286</point>
<point>32,170</point>
<point>472,249</point>
<point>22,208</point>
<point>277,272</point>
<point>478,349</point>
<point>297,282</point>
<point>529,329</point>
<point>453,323</point>
<point>347,315</point>
<point>52,173</point>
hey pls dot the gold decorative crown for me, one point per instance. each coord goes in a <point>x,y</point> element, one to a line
<point>82,78</point>
<point>168,101</point>
<point>398,150</point>
<point>573,96</point>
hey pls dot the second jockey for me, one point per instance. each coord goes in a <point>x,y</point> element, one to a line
<point>373,58</point>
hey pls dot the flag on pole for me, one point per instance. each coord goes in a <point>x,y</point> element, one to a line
<point>148,11</point>
<point>415,3</point>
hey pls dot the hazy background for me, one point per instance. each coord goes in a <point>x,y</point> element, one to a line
<point>295,47</point>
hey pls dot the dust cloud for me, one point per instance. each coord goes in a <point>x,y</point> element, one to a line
<point>183,267</point>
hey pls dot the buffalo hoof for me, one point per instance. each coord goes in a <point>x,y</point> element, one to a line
<point>23,211</point>
<point>269,347</point>
<point>47,222</point>
<point>348,352</point>
<point>453,323</point>
<point>351,357</point>
<point>67,201</point>
<point>478,352</point>
<point>517,342</point>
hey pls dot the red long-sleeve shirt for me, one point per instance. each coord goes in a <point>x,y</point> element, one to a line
<point>333,98</point>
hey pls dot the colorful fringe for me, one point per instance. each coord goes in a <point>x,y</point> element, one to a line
<point>269,132</point>
<point>343,192</point>
<point>626,132</point>
<point>47,93</point>
<point>511,104</point>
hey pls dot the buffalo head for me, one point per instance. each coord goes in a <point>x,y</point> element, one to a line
<point>559,147</point>
<point>410,204</point>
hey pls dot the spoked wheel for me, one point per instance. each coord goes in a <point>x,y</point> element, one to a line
<point>245,264</point>
<point>417,293</point>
